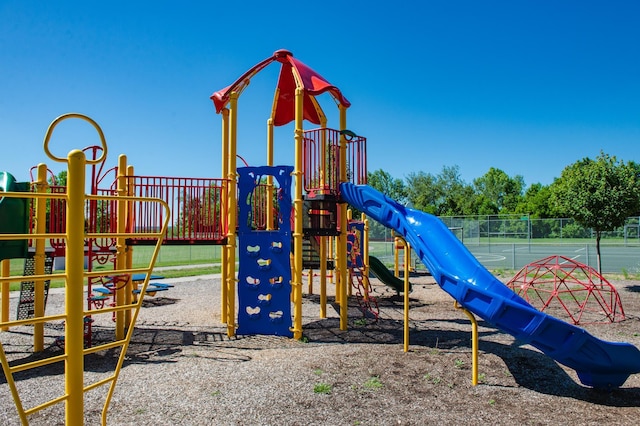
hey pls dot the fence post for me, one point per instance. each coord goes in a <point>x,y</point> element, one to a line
<point>587,252</point>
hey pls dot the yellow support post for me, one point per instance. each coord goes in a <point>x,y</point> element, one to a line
<point>39,258</point>
<point>128,299</point>
<point>474,343</point>
<point>342,238</point>
<point>396,256</point>
<point>365,248</point>
<point>224,253</point>
<point>348,256</point>
<point>323,277</point>
<point>5,271</point>
<point>336,263</point>
<point>121,260</point>
<point>296,278</point>
<point>74,301</point>
<point>74,267</point>
<point>269,206</point>
<point>407,257</point>
<point>233,215</point>
<point>331,255</point>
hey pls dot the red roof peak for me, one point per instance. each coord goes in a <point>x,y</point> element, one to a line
<point>312,83</point>
<point>282,54</point>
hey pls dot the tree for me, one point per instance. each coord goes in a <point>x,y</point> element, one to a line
<point>501,189</point>
<point>536,202</point>
<point>422,192</point>
<point>388,185</point>
<point>60,179</point>
<point>454,194</point>
<point>599,194</point>
<point>447,194</point>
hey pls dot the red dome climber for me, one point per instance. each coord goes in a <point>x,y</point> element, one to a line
<point>557,282</point>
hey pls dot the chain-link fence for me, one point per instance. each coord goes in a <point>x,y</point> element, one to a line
<point>509,242</point>
<point>515,228</point>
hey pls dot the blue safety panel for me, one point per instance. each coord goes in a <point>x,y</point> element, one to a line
<point>264,273</point>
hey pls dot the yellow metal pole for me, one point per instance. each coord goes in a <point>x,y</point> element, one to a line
<point>323,152</point>
<point>74,297</point>
<point>233,215</point>
<point>269,207</point>
<point>39,258</point>
<point>5,271</point>
<point>323,277</point>
<point>342,238</point>
<point>323,240</point>
<point>128,296</point>
<point>298,203</point>
<point>365,247</point>
<point>74,267</point>
<point>224,203</point>
<point>348,256</point>
<point>406,297</point>
<point>121,260</point>
<point>474,343</point>
<point>396,256</point>
<point>330,254</point>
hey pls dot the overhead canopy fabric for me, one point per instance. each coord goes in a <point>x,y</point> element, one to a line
<point>292,70</point>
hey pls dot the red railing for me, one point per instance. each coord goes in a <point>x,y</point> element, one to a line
<point>357,160</point>
<point>321,160</point>
<point>102,214</point>
<point>57,219</point>
<point>197,206</point>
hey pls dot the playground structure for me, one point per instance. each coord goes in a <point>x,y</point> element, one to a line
<point>324,158</point>
<point>195,204</point>
<point>252,211</point>
<point>558,283</point>
<point>77,232</point>
<point>124,210</point>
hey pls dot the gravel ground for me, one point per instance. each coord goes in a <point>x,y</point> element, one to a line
<point>181,369</point>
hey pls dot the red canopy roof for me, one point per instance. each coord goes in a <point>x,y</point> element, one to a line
<point>312,83</point>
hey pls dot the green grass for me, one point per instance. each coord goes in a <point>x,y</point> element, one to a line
<point>178,255</point>
<point>322,388</point>
<point>206,256</point>
<point>373,383</point>
<point>431,378</point>
<point>190,272</point>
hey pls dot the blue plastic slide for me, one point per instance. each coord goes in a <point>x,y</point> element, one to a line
<point>598,363</point>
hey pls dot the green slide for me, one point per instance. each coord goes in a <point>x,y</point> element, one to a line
<point>385,275</point>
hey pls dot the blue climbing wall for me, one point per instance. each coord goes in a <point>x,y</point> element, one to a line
<point>264,272</point>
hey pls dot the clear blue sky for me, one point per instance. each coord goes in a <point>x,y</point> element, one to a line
<point>528,87</point>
